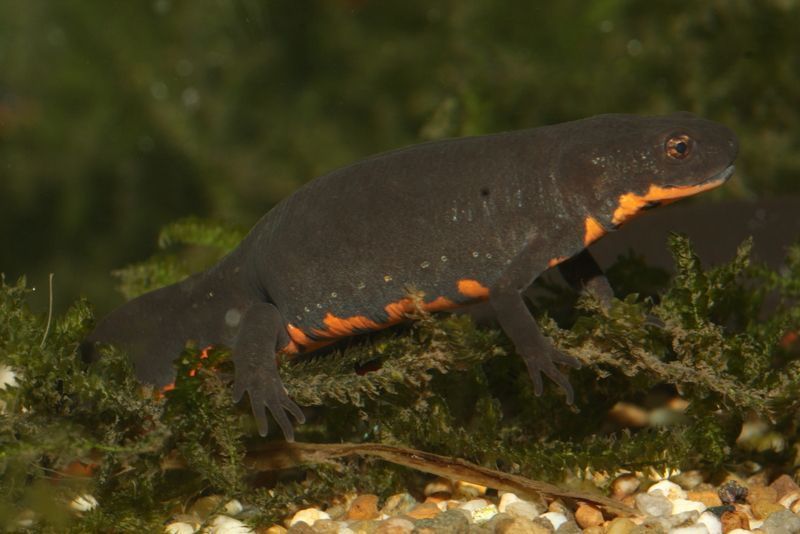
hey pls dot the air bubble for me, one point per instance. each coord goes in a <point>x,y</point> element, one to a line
<point>233,317</point>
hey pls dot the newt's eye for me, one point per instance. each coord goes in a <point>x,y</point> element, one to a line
<point>678,147</point>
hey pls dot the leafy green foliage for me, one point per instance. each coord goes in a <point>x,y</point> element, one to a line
<point>719,337</point>
<point>185,245</point>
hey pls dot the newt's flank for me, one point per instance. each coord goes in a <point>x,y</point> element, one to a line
<point>459,220</point>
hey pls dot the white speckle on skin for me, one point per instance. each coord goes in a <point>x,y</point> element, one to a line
<point>488,256</point>
<point>518,196</point>
<point>475,253</point>
<point>387,278</point>
<point>454,211</point>
<point>444,259</point>
<point>306,309</point>
<point>319,306</point>
<point>211,294</point>
<point>233,317</point>
<point>486,209</point>
<point>361,285</point>
<point>425,264</point>
<point>334,294</point>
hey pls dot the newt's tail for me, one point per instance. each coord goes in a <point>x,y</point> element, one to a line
<point>151,329</point>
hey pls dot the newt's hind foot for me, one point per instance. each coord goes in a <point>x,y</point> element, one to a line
<point>267,391</point>
<point>256,370</point>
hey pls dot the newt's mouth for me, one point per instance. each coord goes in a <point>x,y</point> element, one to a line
<point>630,204</point>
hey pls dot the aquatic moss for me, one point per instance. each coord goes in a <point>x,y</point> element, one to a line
<point>442,384</point>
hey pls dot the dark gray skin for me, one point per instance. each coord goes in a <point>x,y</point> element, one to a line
<point>498,210</point>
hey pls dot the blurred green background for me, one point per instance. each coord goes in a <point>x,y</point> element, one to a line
<point>117,117</point>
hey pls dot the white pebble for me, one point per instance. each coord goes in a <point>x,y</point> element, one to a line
<point>83,503</point>
<point>655,505</point>
<point>8,378</point>
<point>474,504</point>
<point>524,509</point>
<point>233,507</point>
<point>222,524</point>
<point>740,531</point>
<point>308,516</point>
<point>555,518</point>
<point>482,515</point>
<point>345,530</point>
<point>694,529</point>
<point>712,523</point>
<point>179,527</point>
<point>505,500</point>
<point>685,505</point>
<point>668,489</point>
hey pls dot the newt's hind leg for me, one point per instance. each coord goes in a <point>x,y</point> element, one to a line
<point>261,334</point>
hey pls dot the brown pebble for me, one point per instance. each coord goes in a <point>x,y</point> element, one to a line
<point>733,520</point>
<point>363,507</point>
<point>301,528</point>
<point>624,485</point>
<point>784,485</point>
<point>588,516</point>
<point>558,507</point>
<point>629,415</point>
<point>620,525</point>
<point>437,497</point>
<point>274,529</point>
<point>426,510</point>
<point>468,490</point>
<point>395,525</point>
<point>709,498</point>
<point>521,525</point>
<point>595,530</point>
<point>761,509</point>
<point>399,504</point>
<point>439,485</point>
<point>762,493</point>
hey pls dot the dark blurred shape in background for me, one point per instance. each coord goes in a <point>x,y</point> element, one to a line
<point>118,117</point>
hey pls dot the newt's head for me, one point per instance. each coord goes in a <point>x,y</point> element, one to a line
<point>628,164</point>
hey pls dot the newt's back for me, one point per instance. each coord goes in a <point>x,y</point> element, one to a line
<point>444,219</point>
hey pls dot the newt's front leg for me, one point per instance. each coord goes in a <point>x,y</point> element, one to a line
<point>538,352</point>
<point>260,335</point>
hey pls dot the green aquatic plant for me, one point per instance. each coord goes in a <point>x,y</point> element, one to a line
<point>720,338</point>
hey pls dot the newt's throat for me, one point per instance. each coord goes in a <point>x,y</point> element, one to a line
<point>631,204</point>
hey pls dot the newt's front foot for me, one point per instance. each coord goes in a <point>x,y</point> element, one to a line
<point>542,359</point>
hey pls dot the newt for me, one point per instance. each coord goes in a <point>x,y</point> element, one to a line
<point>457,221</point>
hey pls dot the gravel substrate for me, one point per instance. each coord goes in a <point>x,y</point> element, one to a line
<point>684,506</point>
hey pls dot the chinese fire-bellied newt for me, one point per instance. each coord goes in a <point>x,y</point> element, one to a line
<point>458,221</point>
